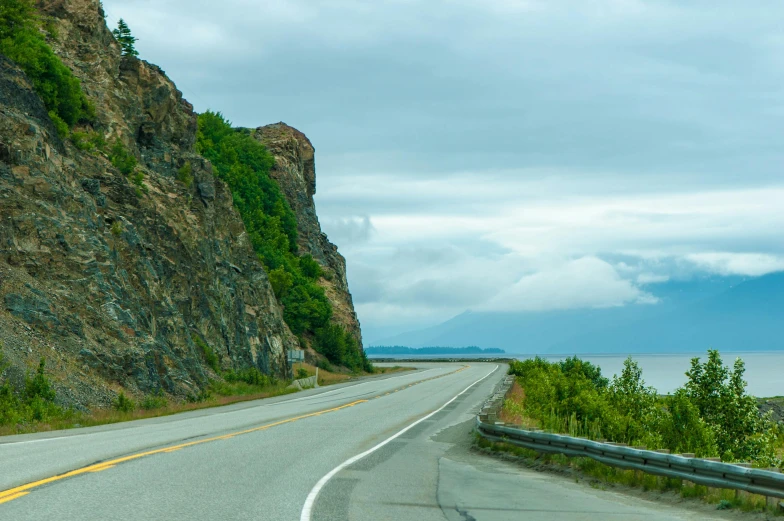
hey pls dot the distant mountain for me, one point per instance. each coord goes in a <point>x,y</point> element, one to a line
<point>731,314</point>
<point>746,317</point>
<point>404,350</point>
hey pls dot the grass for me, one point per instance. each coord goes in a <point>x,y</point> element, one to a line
<point>219,393</point>
<point>603,476</point>
<point>334,376</point>
<point>153,406</point>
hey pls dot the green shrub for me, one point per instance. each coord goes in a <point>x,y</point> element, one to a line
<point>154,401</point>
<point>210,357</point>
<point>122,160</point>
<point>39,386</point>
<point>22,42</point>
<point>244,164</point>
<point>59,125</point>
<point>123,404</point>
<point>710,416</point>
<point>9,401</point>
<point>88,141</point>
<point>35,402</point>
<point>281,282</point>
<point>325,365</point>
<point>724,504</point>
<point>310,268</point>
<point>340,347</point>
<point>250,376</point>
<point>116,228</point>
<point>302,373</point>
<point>185,174</point>
<point>306,308</point>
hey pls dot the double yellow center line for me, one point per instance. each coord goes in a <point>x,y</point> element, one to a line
<point>17,492</point>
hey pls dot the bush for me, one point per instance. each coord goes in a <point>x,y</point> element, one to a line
<point>122,160</point>
<point>59,125</point>
<point>154,401</point>
<point>281,282</point>
<point>38,386</point>
<point>340,347</point>
<point>324,365</point>
<point>117,228</point>
<point>35,402</point>
<point>185,174</point>
<point>244,164</point>
<point>302,373</point>
<point>123,404</point>
<point>210,357</point>
<point>250,376</point>
<point>88,141</point>
<point>710,416</point>
<point>22,42</point>
<point>306,308</point>
<point>310,268</point>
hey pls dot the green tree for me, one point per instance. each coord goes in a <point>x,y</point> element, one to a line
<point>719,393</point>
<point>635,404</point>
<point>126,40</point>
<point>683,430</point>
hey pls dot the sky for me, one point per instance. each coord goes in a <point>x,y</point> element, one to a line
<point>513,155</point>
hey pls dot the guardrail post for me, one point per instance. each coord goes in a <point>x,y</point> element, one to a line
<point>773,502</point>
<point>739,494</point>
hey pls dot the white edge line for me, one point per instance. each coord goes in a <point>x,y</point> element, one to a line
<point>310,501</point>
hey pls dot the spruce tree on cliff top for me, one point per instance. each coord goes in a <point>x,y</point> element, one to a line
<point>125,39</point>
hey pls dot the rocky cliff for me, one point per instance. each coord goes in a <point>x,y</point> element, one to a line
<point>117,287</point>
<point>295,172</point>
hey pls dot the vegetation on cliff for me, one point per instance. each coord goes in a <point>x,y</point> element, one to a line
<point>33,403</point>
<point>23,42</point>
<point>711,415</point>
<point>244,164</point>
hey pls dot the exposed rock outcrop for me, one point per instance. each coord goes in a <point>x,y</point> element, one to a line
<point>112,287</point>
<point>295,172</point>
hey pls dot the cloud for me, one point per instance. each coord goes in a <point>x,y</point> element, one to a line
<point>349,230</point>
<point>726,263</point>
<point>587,282</point>
<point>516,154</point>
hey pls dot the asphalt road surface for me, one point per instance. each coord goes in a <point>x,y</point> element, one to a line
<point>387,448</point>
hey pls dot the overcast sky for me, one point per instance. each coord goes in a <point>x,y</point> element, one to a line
<point>508,154</point>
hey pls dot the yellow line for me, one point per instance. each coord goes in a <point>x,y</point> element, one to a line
<point>17,492</point>
<point>13,493</point>
<point>11,498</point>
<point>99,469</point>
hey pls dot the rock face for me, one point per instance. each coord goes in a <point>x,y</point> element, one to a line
<point>110,286</point>
<point>295,172</point>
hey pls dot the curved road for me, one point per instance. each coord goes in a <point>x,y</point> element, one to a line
<point>393,447</point>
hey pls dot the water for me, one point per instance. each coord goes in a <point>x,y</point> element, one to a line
<point>764,371</point>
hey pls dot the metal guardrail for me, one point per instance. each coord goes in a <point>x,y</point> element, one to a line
<point>680,466</point>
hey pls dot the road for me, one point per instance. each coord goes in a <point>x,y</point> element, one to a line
<point>388,448</point>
